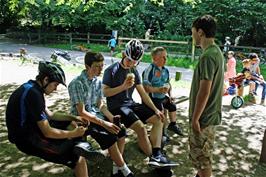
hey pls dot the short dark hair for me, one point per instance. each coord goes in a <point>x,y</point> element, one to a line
<point>207,23</point>
<point>91,57</point>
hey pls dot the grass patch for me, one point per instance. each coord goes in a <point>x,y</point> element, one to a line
<point>171,61</point>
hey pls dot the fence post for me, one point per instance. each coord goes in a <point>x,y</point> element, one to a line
<point>88,38</point>
<point>263,149</point>
<point>70,39</point>
<point>39,36</point>
<point>193,50</point>
<point>29,36</point>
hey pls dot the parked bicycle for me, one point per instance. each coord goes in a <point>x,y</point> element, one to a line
<point>60,56</point>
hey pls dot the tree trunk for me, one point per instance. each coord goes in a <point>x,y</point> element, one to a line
<point>263,149</point>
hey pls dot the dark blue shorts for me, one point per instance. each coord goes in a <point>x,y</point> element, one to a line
<point>164,103</point>
<point>103,137</point>
<point>132,113</point>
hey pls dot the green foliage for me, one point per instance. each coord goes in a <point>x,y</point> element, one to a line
<point>168,19</point>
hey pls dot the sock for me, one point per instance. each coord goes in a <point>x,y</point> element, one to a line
<point>125,170</point>
<point>172,123</point>
<point>165,132</point>
<point>115,168</point>
<point>156,151</point>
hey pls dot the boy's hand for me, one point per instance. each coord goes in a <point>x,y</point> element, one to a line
<point>160,114</point>
<point>111,127</point>
<point>196,126</point>
<point>163,90</point>
<point>79,131</point>
<point>82,122</point>
<point>128,83</point>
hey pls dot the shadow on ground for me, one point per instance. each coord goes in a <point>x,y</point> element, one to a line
<point>236,150</point>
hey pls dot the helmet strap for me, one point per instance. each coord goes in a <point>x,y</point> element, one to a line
<point>44,86</point>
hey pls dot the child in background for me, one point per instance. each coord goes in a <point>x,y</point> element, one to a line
<point>112,45</point>
<point>247,81</point>
<point>230,66</point>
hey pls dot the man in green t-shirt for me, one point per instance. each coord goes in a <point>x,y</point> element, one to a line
<point>205,96</point>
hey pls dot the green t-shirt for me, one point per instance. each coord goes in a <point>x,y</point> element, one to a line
<point>210,67</point>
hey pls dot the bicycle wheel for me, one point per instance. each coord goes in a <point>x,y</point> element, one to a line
<point>237,102</point>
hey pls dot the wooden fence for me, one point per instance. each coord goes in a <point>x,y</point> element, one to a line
<point>176,48</point>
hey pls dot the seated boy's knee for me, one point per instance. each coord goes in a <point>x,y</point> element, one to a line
<point>140,128</point>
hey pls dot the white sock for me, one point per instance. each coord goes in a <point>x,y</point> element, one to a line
<point>125,170</point>
<point>115,168</point>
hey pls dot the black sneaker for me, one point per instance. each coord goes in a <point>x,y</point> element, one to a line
<point>165,140</point>
<point>174,128</point>
<point>160,161</point>
<point>130,175</point>
<point>120,174</point>
<point>84,149</point>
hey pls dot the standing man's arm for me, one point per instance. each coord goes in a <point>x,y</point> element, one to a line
<point>201,101</point>
<point>146,99</point>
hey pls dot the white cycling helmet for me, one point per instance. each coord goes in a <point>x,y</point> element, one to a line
<point>134,50</point>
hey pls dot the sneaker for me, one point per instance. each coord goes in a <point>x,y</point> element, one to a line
<point>165,140</point>
<point>262,102</point>
<point>84,149</point>
<point>160,161</point>
<point>119,174</point>
<point>130,175</point>
<point>174,128</point>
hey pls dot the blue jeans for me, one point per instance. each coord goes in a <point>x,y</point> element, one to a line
<point>263,89</point>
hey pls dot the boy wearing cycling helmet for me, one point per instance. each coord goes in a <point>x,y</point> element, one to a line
<point>30,126</point>
<point>119,81</point>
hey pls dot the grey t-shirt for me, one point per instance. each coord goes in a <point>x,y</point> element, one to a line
<point>114,76</point>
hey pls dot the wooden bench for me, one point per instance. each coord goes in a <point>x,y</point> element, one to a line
<point>180,99</point>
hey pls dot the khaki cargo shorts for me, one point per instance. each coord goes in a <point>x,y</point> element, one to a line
<point>201,147</point>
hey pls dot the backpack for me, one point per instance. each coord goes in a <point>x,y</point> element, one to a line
<point>16,124</point>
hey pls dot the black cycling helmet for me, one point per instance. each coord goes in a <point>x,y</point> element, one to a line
<point>53,71</point>
<point>134,50</point>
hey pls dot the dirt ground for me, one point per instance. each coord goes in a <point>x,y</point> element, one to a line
<point>237,148</point>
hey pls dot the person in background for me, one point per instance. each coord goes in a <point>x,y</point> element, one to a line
<point>227,45</point>
<point>205,100</point>
<point>112,45</point>
<point>257,77</point>
<point>230,66</point>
